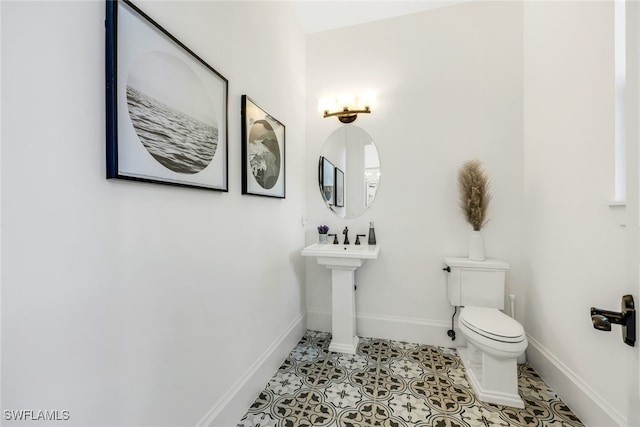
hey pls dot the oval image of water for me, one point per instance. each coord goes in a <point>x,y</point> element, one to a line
<point>171,113</point>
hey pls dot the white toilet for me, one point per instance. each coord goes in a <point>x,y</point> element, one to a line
<point>494,340</point>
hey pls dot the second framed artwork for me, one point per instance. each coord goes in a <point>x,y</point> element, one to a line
<point>263,152</point>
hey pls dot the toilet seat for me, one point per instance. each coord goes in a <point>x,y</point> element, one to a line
<point>492,331</point>
<point>492,323</point>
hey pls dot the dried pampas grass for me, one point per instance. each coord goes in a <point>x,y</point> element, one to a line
<point>473,185</point>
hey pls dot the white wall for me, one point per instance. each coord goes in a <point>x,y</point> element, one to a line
<point>131,303</point>
<point>449,85</point>
<point>580,252</point>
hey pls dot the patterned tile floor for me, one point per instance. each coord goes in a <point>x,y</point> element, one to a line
<point>391,384</point>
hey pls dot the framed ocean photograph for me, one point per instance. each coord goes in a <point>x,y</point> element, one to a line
<point>166,107</point>
<point>263,152</point>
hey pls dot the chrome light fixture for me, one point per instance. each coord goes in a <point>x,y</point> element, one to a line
<point>346,107</point>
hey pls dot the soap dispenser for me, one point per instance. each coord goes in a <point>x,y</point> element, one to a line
<point>372,234</point>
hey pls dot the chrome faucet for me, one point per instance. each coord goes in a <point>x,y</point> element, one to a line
<point>346,235</point>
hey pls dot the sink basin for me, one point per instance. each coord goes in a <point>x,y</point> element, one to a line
<point>342,251</point>
<point>341,256</point>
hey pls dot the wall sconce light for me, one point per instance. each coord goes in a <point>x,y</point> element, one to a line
<point>346,107</point>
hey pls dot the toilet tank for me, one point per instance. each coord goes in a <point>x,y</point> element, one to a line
<point>476,283</point>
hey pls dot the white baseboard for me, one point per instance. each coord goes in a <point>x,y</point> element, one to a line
<point>421,331</point>
<point>585,402</point>
<point>234,404</point>
<point>318,320</point>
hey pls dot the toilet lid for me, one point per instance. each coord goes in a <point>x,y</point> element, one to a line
<point>492,323</point>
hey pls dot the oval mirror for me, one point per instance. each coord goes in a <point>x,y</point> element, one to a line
<point>349,171</point>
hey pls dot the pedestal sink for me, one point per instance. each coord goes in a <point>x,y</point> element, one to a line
<point>342,260</point>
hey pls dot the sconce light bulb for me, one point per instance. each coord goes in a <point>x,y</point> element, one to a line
<point>325,104</point>
<point>346,101</point>
<point>367,100</point>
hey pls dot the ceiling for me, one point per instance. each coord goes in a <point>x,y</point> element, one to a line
<point>322,15</point>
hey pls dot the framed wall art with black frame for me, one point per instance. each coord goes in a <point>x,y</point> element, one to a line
<point>327,180</point>
<point>263,152</point>
<point>166,107</point>
<point>339,181</point>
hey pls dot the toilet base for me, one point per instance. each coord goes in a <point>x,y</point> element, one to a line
<point>494,380</point>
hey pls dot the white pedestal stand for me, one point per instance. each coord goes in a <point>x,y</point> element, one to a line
<point>343,310</point>
<point>343,261</point>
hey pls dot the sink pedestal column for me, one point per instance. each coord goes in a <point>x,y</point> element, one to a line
<point>343,310</point>
<point>342,260</point>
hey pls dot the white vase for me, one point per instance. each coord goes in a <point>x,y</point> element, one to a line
<point>476,246</point>
<point>322,238</point>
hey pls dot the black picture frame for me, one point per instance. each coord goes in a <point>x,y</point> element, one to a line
<point>327,180</point>
<point>166,108</point>
<point>263,152</point>
<point>339,183</point>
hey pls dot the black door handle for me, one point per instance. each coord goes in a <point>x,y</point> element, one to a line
<point>602,319</point>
